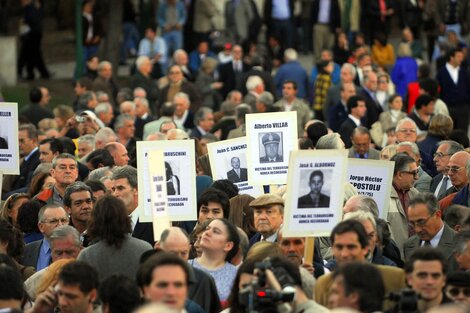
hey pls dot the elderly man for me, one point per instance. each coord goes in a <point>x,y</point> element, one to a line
<point>65,172</point>
<point>202,289</point>
<point>441,182</point>
<point>65,244</point>
<point>183,116</point>
<point>337,113</point>
<point>333,96</point>
<point>458,170</point>
<point>462,251</point>
<point>142,78</point>
<point>204,121</point>
<point>268,211</point>
<point>125,131</point>
<point>105,82</point>
<point>105,113</point>
<point>142,116</point>
<point>180,57</point>
<point>361,142</point>
<point>405,173</point>
<point>423,183</point>
<point>28,147</point>
<point>230,73</point>
<point>458,288</point>
<point>369,88</point>
<point>119,153</point>
<point>425,218</point>
<point>38,253</point>
<point>85,145</point>
<point>255,86</point>
<point>290,102</point>
<point>88,123</point>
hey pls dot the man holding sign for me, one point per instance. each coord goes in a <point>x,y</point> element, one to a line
<point>315,199</point>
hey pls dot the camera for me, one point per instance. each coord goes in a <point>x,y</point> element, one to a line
<point>258,297</point>
<point>80,119</point>
<point>406,299</point>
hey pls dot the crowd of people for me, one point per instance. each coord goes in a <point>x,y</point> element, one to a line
<point>70,233</point>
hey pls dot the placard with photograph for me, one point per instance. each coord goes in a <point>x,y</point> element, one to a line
<point>9,149</point>
<point>270,139</point>
<point>373,178</point>
<point>228,161</point>
<point>315,192</point>
<point>180,166</point>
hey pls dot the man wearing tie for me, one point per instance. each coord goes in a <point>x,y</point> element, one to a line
<point>441,182</point>
<point>237,174</point>
<point>357,110</point>
<point>369,89</point>
<point>230,73</point>
<point>360,148</point>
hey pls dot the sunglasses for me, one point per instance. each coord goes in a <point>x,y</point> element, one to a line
<point>455,291</point>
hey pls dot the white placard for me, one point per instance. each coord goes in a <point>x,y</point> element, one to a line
<point>228,161</point>
<point>270,139</point>
<point>9,150</point>
<point>315,192</point>
<point>180,166</point>
<point>373,178</point>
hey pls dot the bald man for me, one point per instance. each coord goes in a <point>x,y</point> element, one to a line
<point>202,289</point>
<point>458,170</point>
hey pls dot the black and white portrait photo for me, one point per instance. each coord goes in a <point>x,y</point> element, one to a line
<point>237,174</point>
<point>3,143</point>
<point>172,181</point>
<point>316,198</point>
<point>270,149</point>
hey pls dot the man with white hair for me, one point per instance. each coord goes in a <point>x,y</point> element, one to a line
<point>180,57</point>
<point>142,78</point>
<point>139,92</point>
<point>142,116</point>
<point>127,108</point>
<point>255,87</point>
<point>105,112</point>
<point>183,117</point>
<point>423,183</point>
<point>103,136</point>
<point>294,71</point>
<point>105,81</point>
<point>85,144</point>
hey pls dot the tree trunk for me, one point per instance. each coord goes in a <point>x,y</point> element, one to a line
<point>113,33</point>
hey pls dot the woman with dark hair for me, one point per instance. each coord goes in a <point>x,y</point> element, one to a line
<point>11,244</point>
<point>9,211</point>
<point>39,182</point>
<point>219,244</point>
<point>28,220</point>
<point>113,250</point>
<point>241,214</point>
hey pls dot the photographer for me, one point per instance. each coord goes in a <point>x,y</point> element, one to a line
<point>273,286</point>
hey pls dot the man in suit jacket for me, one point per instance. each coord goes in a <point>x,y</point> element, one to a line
<point>28,146</point>
<point>231,73</point>
<point>267,226</point>
<point>357,110</point>
<point>237,174</point>
<point>425,217</point>
<point>351,233</point>
<point>338,113</point>
<point>142,116</point>
<point>441,182</point>
<point>271,148</point>
<point>314,199</point>
<point>38,253</point>
<point>37,110</point>
<point>124,181</point>
<point>361,145</point>
<point>369,88</point>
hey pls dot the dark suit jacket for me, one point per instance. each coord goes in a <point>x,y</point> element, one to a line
<point>446,245</point>
<point>307,202</point>
<point>265,159</point>
<point>189,122</point>
<point>335,15</point>
<point>373,109</point>
<point>345,131</point>
<point>26,171</point>
<point>435,181</point>
<point>139,126</point>
<point>31,253</point>
<point>195,133</point>
<point>144,231</point>
<point>203,290</point>
<point>35,112</point>
<point>229,78</point>
<point>233,177</point>
<point>139,80</point>
<point>337,114</point>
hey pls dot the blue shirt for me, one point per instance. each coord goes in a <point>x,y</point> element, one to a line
<point>44,258</point>
<point>281,9</point>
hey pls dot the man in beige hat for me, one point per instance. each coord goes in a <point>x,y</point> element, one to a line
<point>268,213</point>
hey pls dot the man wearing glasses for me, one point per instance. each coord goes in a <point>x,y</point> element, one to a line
<point>38,253</point>
<point>458,170</point>
<point>78,202</point>
<point>430,230</point>
<point>458,288</point>
<point>426,275</point>
<point>405,174</point>
<point>441,182</point>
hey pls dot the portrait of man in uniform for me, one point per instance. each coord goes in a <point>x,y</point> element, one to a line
<point>270,142</point>
<point>315,198</point>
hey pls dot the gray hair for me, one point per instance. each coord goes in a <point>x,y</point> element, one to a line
<point>402,162</point>
<point>127,102</point>
<point>178,134</point>
<point>103,107</point>
<point>241,111</point>
<point>228,108</point>
<point>128,172</point>
<point>85,98</point>
<point>42,168</point>
<point>182,95</point>
<point>350,67</point>
<point>266,98</point>
<point>462,241</point>
<point>414,147</point>
<point>201,114</point>
<point>88,139</point>
<point>454,146</point>
<point>65,231</point>
<point>63,156</point>
<point>141,60</point>
<point>244,243</point>
<point>366,204</point>
<point>137,90</point>
<point>173,229</point>
<point>330,141</point>
<point>142,101</point>
<point>105,135</point>
<point>103,64</point>
<point>101,94</point>
<point>99,173</point>
<point>290,55</point>
<point>47,207</point>
<point>73,188</point>
<point>252,82</point>
<point>428,199</point>
<point>120,121</point>
<point>361,216</point>
<point>401,122</point>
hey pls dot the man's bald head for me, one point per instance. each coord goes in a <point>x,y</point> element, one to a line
<point>457,169</point>
<point>176,240</point>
